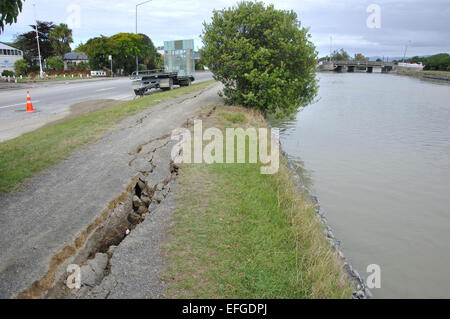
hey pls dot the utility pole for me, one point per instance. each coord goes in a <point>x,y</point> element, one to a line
<point>137,58</point>
<point>406,49</point>
<point>331,46</point>
<point>41,73</point>
<point>110,59</point>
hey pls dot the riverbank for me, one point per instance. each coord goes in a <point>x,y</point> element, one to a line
<point>240,234</point>
<point>429,75</point>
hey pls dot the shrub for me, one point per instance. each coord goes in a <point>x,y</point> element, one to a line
<point>7,73</point>
<point>21,67</point>
<point>82,66</point>
<point>262,56</point>
<point>55,63</point>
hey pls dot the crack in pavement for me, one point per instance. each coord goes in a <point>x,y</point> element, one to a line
<point>68,208</point>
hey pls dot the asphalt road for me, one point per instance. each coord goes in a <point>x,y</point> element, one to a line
<point>52,101</point>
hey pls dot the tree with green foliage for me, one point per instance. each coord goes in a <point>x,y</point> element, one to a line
<point>200,64</point>
<point>151,58</point>
<point>360,57</point>
<point>82,66</point>
<point>28,44</point>
<point>324,58</point>
<point>9,10</point>
<point>7,73</point>
<point>340,55</point>
<point>55,63</point>
<point>123,47</point>
<point>61,37</point>
<point>437,62</point>
<point>21,67</point>
<point>263,57</point>
<point>97,49</point>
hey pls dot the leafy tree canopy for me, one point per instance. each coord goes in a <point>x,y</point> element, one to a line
<point>61,37</point>
<point>340,55</point>
<point>438,62</point>
<point>55,63</point>
<point>9,10</point>
<point>263,57</point>
<point>360,57</point>
<point>21,67</point>
<point>28,44</point>
<point>123,47</point>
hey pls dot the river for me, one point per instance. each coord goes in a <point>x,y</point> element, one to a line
<point>376,149</point>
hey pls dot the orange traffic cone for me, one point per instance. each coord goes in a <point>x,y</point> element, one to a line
<point>29,104</point>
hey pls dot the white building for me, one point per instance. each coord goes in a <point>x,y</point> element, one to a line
<point>410,66</point>
<point>8,56</point>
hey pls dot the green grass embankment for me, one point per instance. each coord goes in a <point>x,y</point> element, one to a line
<point>240,234</point>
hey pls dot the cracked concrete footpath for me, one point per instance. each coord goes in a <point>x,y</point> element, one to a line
<point>59,216</point>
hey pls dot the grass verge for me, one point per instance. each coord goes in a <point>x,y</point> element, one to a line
<point>444,74</point>
<point>30,153</point>
<point>240,234</point>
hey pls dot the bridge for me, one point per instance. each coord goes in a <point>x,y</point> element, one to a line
<point>357,66</point>
<point>362,66</point>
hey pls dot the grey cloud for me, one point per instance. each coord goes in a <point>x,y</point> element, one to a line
<point>425,23</point>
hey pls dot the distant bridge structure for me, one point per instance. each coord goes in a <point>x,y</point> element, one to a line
<point>362,66</point>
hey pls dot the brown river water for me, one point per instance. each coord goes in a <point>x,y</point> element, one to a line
<point>376,148</point>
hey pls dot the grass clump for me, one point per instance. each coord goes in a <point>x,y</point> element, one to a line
<point>234,117</point>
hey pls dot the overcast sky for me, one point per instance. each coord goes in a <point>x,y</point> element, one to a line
<point>423,22</point>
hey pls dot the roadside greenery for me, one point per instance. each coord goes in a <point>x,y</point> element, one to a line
<point>123,47</point>
<point>30,153</point>
<point>55,63</point>
<point>21,67</point>
<point>263,57</point>
<point>240,234</point>
<point>7,73</point>
<point>55,40</point>
<point>61,37</point>
<point>28,44</point>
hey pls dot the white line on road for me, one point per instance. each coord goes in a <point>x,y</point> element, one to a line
<point>24,103</point>
<point>107,89</point>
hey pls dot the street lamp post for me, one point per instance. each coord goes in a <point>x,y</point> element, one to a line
<point>110,59</point>
<point>137,58</point>
<point>41,73</point>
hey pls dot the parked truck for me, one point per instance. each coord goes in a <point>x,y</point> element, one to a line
<point>179,69</point>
